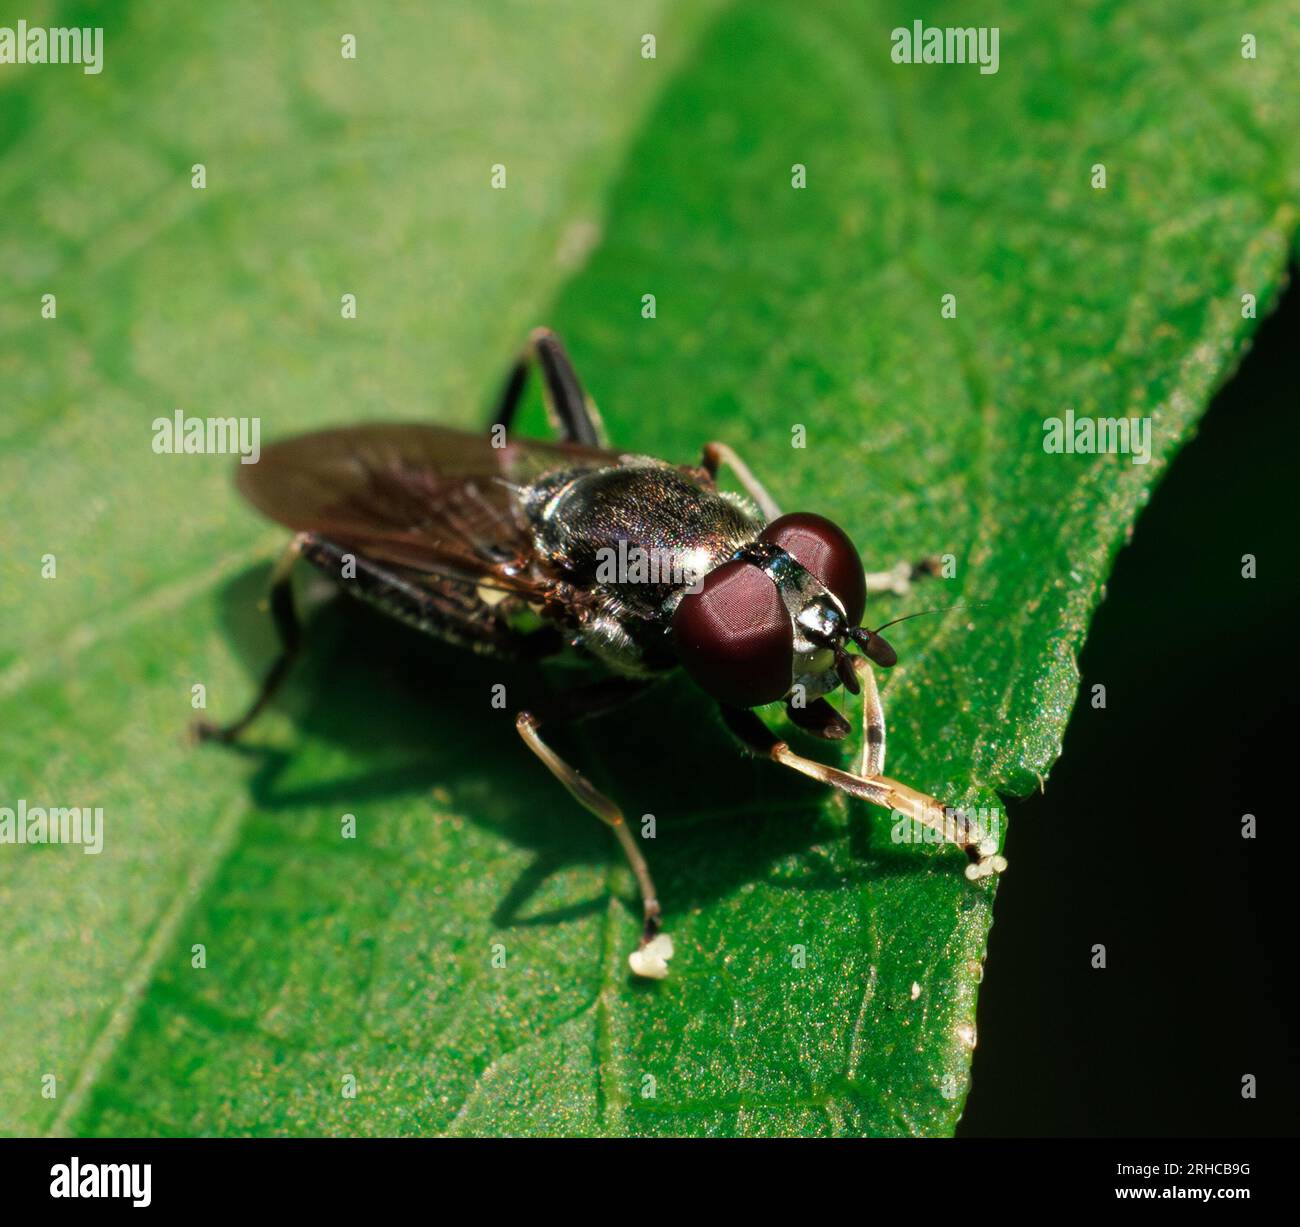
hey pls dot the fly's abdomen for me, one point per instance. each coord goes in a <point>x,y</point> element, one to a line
<point>451,610</point>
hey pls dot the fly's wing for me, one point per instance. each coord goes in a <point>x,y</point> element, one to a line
<point>428,499</point>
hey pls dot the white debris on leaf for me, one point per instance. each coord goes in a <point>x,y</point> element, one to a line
<point>651,960</point>
<point>986,867</point>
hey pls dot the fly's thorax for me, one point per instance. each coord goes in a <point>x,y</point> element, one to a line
<point>642,531</point>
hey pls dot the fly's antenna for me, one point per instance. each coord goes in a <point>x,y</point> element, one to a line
<point>877,649</point>
<point>920,613</point>
<point>873,646</point>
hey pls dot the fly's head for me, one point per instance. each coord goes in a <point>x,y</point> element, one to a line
<point>780,614</point>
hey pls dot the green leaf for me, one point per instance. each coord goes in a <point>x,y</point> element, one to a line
<point>776,307</point>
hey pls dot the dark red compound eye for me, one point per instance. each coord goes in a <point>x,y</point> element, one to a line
<point>734,636</point>
<point>824,550</point>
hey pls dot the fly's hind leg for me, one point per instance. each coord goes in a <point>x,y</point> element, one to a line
<point>570,410</point>
<point>289,630</point>
<point>655,948</point>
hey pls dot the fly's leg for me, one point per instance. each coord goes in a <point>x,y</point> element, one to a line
<point>897,580</point>
<point>572,413</point>
<point>718,454</point>
<point>289,630</point>
<point>871,762</point>
<point>655,948</point>
<point>820,719</point>
<point>980,848</point>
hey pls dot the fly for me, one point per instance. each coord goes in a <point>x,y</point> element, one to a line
<point>525,549</point>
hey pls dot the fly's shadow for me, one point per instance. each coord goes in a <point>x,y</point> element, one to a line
<point>423,712</point>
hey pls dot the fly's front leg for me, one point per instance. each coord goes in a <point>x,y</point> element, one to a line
<point>570,411</point>
<point>820,719</point>
<point>872,760</point>
<point>952,825</point>
<point>718,454</point>
<point>290,632</point>
<point>655,948</point>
